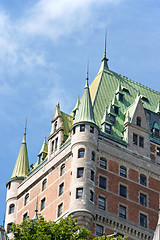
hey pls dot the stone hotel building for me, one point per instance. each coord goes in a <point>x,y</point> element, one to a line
<point>101,164</point>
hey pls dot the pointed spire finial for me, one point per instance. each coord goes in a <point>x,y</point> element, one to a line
<point>105,45</point>
<point>87,78</point>
<point>24,138</point>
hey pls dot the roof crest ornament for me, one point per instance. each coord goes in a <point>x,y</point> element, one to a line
<point>24,138</point>
<point>87,78</point>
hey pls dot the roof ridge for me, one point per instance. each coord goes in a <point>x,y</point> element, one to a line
<point>137,83</point>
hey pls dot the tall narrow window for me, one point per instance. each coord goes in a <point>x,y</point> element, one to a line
<point>138,122</point>
<point>108,128</point>
<point>56,143</point>
<point>44,184</point>
<point>143,199</point>
<point>116,110</point>
<point>82,128</point>
<point>81,153</point>
<point>103,163</point>
<point>61,188</point>
<point>122,191</point>
<point>143,220</point>
<point>93,156</point>
<point>123,171</point>
<point>74,130</point>
<point>55,126</point>
<point>62,169</point>
<point>92,175</point>
<point>60,209</point>
<point>102,182</point>
<point>26,199</point>
<point>122,211</point>
<point>52,145</point>
<point>143,180</point>
<point>79,192</point>
<point>121,97</point>
<point>91,196</point>
<point>11,208</point>
<point>91,129</point>
<point>9,225</point>
<point>141,142</point>
<point>101,203</point>
<point>135,138</point>
<point>80,172</point>
<point>43,203</point>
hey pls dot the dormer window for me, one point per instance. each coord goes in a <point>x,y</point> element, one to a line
<point>138,121</point>
<point>126,90</point>
<point>112,119</point>
<point>145,99</point>
<point>116,110</point>
<point>121,97</point>
<point>55,126</point>
<point>108,128</point>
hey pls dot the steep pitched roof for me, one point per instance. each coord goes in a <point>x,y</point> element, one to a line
<point>85,111</point>
<point>44,148</point>
<point>21,168</point>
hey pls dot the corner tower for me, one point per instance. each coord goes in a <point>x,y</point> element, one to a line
<point>84,138</point>
<point>21,169</point>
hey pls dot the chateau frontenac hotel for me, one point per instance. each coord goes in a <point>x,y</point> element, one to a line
<point>101,164</point>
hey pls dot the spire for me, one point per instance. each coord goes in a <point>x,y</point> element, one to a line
<point>36,211</point>
<point>21,168</point>
<point>85,112</point>
<point>44,148</point>
<point>104,60</point>
<point>157,231</point>
<point>86,86</point>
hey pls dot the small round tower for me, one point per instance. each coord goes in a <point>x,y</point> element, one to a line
<point>84,139</point>
<point>20,172</point>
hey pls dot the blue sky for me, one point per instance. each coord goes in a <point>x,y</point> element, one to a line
<point>44,49</point>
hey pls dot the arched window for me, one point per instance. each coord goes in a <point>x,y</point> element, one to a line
<point>26,199</point>
<point>81,153</point>
<point>143,180</point>
<point>44,184</point>
<point>123,171</point>
<point>11,208</point>
<point>62,169</point>
<point>138,121</point>
<point>93,156</point>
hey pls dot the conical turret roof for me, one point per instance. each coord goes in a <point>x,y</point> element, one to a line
<point>44,148</point>
<point>157,231</point>
<point>85,111</point>
<point>21,168</point>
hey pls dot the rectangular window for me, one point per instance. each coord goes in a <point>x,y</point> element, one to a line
<point>123,171</point>
<point>82,128</point>
<point>79,192</point>
<point>60,209</point>
<point>102,182</point>
<point>121,97</point>
<point>43,203</point>
<point>99,230</point>
<point>91,196</point>
<point>108,128</point>
<point>143,220</point>
<point>92,175</point>
<point>122,211</point>
<point>116,110</point>
<point>122,191</point>
<point>103,163</point>
<point>61,189</point>
<point>91,129</point>
<point>52,146</point>
<point>101,203</point>
<point>9,225</point>
<point>143,180</point>
<point>135,137</point>
<point>80,172</point>
<point>112,119</point>
<point>74,130</point>
<point>143,199</point>
<point>56,143</point>
<point>141,142</point>
<point>158,151</point>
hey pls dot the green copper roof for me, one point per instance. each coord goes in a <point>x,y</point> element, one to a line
<point>21,168</point>
<point>85,111</point>
<point>44,148</point>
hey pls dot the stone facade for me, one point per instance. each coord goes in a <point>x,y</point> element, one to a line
<point>108,183</point>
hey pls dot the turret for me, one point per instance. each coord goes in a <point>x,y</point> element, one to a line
<point>84,138</point>
<point>21,169</point>
<point>43,152</point>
